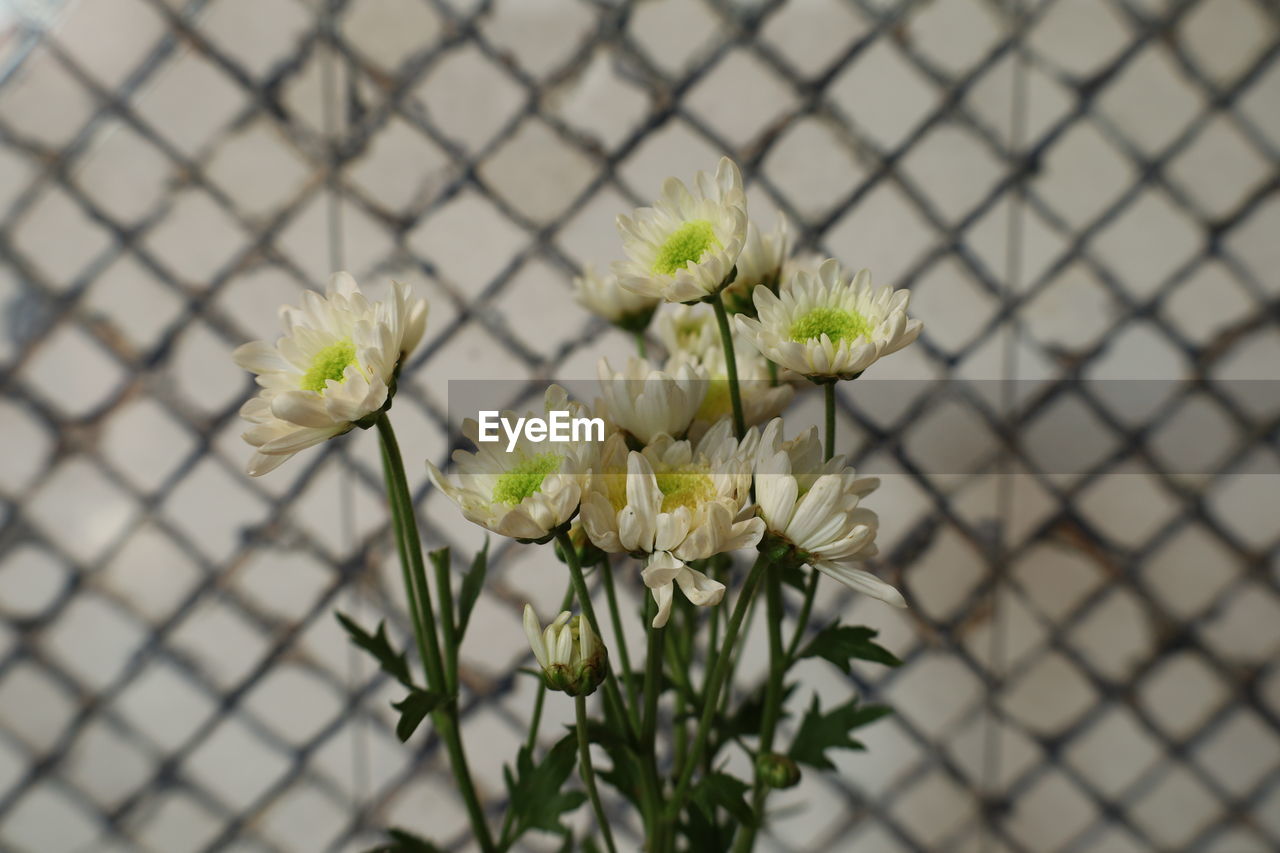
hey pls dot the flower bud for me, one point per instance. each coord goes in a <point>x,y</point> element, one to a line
<point>777,771</point>
<point>572,658</point>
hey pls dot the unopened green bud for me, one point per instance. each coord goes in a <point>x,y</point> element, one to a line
<point>777,771</point>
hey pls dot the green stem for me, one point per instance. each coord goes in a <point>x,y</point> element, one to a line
<point>802,622</point>
<point>711,700</point>
<point>731,365</point>
<point>584,602</point>
<point>649,727</point>
<point>615,616</point>
<point>641,346</point>
<point>772,704</point>
<point>829,394</point>
<point>419,593</point>
<point>588,775</point>
<point>444,583</point>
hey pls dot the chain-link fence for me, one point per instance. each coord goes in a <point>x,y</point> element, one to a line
<point>1078,192</point>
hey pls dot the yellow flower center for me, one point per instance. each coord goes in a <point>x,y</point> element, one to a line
<point>717,402</point>
<point>688,244</point>
<point>688,485</point>
<point>328,364</point>
<point>837,324</point>
<point>518,483</point>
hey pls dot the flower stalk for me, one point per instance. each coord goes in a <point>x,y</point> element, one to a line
<point>424,622</point>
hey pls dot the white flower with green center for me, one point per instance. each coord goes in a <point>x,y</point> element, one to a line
<point>760,265</point>
<point>572,658</point>
<point>602,295</point>
<point>762,397</point>
<point>684,247</point>
<point>525,492</point>
<point>813,506</point>
<point>671,503</point>
<point>645,402</point>
<point>687,329</point>
<point>335,366</point>
<point>825,327</point>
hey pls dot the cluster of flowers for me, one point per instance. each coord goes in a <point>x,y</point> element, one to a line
<point>672,483</point>
<point>694,462</point>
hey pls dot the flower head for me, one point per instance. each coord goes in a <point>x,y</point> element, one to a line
<point>525,492</point>
<point>687,329</point>
<point>673,502</point>
<point>760,265</point>
<point>825,327</point>
<point>762,397</point>
<point>572,658</point>
<point>335,366</point>
<point>684,247</point>
<point>646,402</point>
<point>812,507</point>
<point>602,295</point>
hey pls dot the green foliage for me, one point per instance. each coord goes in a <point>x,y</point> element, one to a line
<point>536,799</point>
<point>820,732</point>
<point>725,791</point>
<point>842,644</point>
<point>472,583</point>
<point>413,710</point>
<point>393,663</point>
<point>404,842</point>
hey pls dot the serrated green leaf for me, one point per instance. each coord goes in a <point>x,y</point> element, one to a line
<point>413,710</point>
<point>842,644</point>
<point>393,663</point>
<point>472,583</point>
<point>404,842</point>
<point>536,801</point>
<point>725,791</point>
<point>820,732</point>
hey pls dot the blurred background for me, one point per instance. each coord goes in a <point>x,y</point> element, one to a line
<point>1081,194</point>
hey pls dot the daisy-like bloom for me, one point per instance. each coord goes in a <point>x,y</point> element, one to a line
<point>572,658</point>
<point>527,492</point>
<point>687,329</point>
<point>602,295</point>
<point>812,506</point>
<point>762,398</point>
<point>684,247</point>
<point>760,265</point>
<point>673,502</point>
<point>334,368</point>
<point>825,327</point>
<point>645,402</point>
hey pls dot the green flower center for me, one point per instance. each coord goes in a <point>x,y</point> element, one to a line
<point>836,323</point>
<point>689,243</point>
<point>687,486</point>
<point>518,483</point>
<point>328,364</point>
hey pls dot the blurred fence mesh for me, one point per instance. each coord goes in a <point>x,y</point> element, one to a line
<point>1074,190</point>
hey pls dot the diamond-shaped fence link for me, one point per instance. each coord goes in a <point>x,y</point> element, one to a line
<point>1074,190</point>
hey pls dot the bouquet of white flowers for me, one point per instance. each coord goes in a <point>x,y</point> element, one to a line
<point>690,463</point>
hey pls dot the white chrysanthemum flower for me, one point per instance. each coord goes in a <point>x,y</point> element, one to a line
<point>571,656</point>
<point>684,247</point>
<point>760,265</point>
<point>526,492</point>
<point>825,327</point>
<point>671,503</point>
<point>688,329</point>
<point>813,506</point>
<point>335,366</point>
<point>763,398</point>
<point>646,402</point>
<point>602,295</point>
